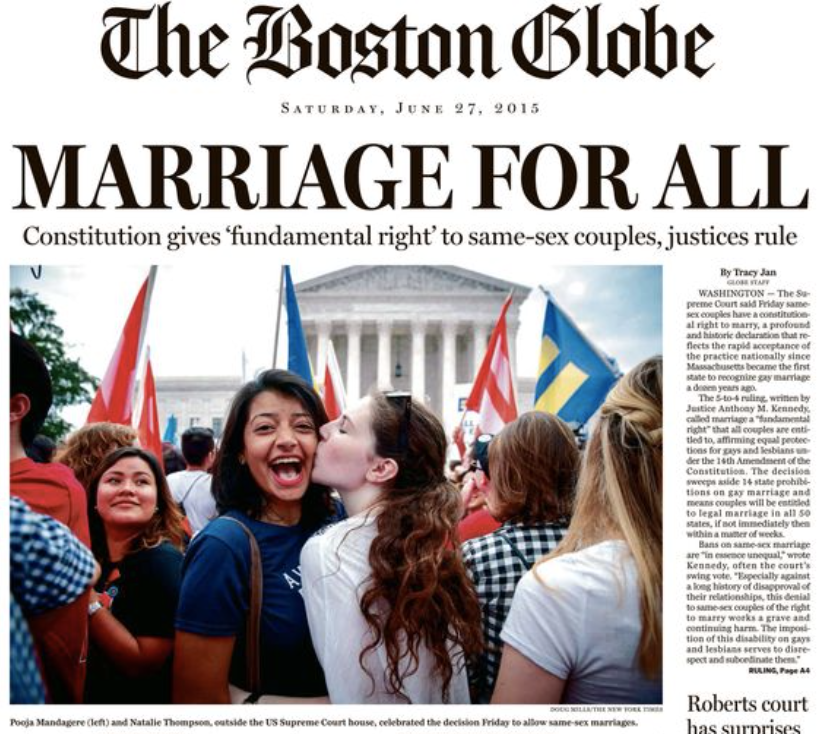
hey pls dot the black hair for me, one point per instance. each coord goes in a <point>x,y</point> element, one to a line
<point>172,458</point>
<point>41,449</point>
<point>197,443</point>
<point>481,452</point>
<point>30,377</point>
<point>233,486</point>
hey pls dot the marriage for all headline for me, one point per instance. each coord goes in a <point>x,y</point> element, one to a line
<point>375,175</point>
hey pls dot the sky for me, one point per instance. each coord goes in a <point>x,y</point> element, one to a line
<point>202,320</point>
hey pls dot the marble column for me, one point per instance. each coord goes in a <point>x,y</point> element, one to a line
<point>354,360</point>
<point>480,334</point>
<point>448,368</point>
<point>323,329</point>
<point>419,332</point>
<point>384,374</point>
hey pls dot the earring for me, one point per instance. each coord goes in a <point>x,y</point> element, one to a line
<point>156,509</point>
<point>242,460</point>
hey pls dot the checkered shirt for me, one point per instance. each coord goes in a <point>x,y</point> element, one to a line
<point>496,568</point>
<point>50,567</point>
<point>26,684</point>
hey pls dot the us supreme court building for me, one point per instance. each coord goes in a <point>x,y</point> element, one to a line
<point>404,327</point>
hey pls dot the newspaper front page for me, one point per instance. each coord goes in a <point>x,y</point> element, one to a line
<point>622,145</point>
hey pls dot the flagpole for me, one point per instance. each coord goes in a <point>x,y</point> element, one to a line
<point>513,356</point>
<point>136,415</point>
<point>278,315</point>
<point>141,353</point>
<point>152,276</point>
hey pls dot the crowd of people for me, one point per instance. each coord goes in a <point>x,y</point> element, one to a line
<point>301,560</point>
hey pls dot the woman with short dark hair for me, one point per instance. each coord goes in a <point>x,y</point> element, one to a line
<point>530,477</point>
<point>261,480</point>
<point>586,623</point>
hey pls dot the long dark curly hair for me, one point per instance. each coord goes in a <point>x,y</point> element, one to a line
<point>419,593</point>
<point>233,486</point>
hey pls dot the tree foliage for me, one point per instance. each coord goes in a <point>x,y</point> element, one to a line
<point>34,320</point>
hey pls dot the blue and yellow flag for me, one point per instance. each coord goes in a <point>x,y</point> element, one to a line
<point>573,376</point>
<point>298,359</point>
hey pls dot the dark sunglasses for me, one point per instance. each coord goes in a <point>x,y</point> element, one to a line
<point>403,402</point>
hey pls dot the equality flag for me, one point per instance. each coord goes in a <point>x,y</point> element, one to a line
<point>493,393</point>
<point>574,377</point>
<point>148,429</point>
<point>114,399</point>
<point>333,392</point>
<point>298,360</point>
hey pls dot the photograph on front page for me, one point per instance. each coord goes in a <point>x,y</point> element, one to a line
<point>440,431</point>
<point>419,484</point>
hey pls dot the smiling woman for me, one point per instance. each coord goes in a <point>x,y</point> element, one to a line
<point>279,440</point>
<point>261,480</point>
<point>136,537</point>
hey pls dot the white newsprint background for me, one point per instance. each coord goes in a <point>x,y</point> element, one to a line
<point>749,123</point>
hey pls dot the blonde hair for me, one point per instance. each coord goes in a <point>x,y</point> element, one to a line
<point>86,447</point>
<point>620,493</point>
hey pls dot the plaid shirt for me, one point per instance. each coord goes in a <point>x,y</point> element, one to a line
<point>496,562</point>
<point>49,567</point>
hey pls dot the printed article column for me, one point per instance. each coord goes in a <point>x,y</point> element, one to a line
<point>749,471</point>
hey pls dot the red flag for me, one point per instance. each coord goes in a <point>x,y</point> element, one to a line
<point>333,393</point>
<point>458,436</point>
<point>148,430</point>
<point>493,393</point>
<point>114,399</point>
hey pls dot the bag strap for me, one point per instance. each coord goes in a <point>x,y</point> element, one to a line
<point>253,678</point>
<point>193,484</point>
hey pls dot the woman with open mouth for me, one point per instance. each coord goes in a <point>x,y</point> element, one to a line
<point>262,486</point>
<point>391,610</point>
<point>136,536</point>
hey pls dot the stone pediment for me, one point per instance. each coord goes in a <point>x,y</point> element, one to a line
<point>396,279</point>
